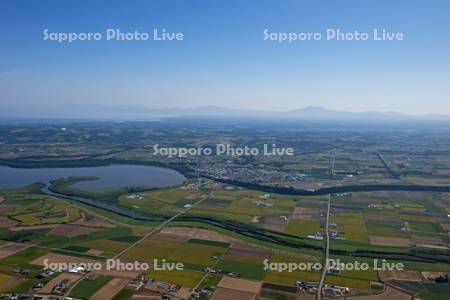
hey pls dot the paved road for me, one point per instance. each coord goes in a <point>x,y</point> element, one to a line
<point>212,267</point>
<point>327,246</point>
<point>327,252</point>
<point>387,166</point>
<point>146,236</point>
<point>157,229</point>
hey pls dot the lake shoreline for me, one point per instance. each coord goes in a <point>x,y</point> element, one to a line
<point>110,177</point>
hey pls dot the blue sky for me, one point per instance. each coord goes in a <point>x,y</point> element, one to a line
<point>223,59</point>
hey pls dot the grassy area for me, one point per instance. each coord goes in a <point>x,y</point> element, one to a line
<point>88,287</point>
<point>247,268</point>
<point>161,201</point>
<point>386,228</point>
<point>124,294</point>
<point>289,278</point>
<point>22,258</point>
<point>426,227</point>
<point>360,284</point>
<point>112,216</point>
<point>109,247</point>
<point>5,278</point>
<point>438,291</point>
<point>83,240</point>
<point>76,248</point>
<point>303,227</point>
<point>209,243</point>
<point>194,256</point>
<point>23,236</point>
<point>184,278</point>
<point>211,280</point>
<point>40,209</point>
<point>197,254</point>
<point>65,186</point>
<point>353,226</point>
<point>277,295</point>
<point>126,239</point>
<point>240,205</point>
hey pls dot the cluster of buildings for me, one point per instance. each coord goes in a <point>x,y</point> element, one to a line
<point>162,289</point>
<point>317,236</point>
<point>239,171</point>
<point>136,196</point>
<point>46,273</point>
<point>168,291</point>
<point>204,293</point>
<point>329,290</point>
<point>21,271</point>
<point>263,204</point>
<point>61,287</point>
<point>34,297</point>
<point>334,234</point>
<point>335,291</point>
<point>220,272</point>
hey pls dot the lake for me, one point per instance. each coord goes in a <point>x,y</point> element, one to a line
<point>110,177</point>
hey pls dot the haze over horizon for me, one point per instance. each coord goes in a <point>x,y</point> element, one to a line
<point>131,112</point>
<point>223,59</point>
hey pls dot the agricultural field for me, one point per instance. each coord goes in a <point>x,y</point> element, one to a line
<point>21,261</point>
<point>303,227</point>
<point>164,201</point>
<point>246,267</point>
<point>247,206</point>
<point>104,246</point>
<point>185,278</point>
<point>289,278</point>
<point>236,228</point>
<point>370,220</point>
<point>86,288</point>
<point>352,226</point>
<point>39,210</point>
<point>193,255</point>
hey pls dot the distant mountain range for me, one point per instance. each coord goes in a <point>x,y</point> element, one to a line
<point>88,112</point>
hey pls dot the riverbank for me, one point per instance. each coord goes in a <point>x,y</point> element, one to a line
<point>336,189</point>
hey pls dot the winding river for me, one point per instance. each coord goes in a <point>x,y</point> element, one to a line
<point>108,177</point>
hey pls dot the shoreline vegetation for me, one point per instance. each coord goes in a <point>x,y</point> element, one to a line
<point>189,173</point>
<point>65,186</point>
<point>289,242</point>
<point>248,232</point>
<point>36,163</point>
<point>413,258</point>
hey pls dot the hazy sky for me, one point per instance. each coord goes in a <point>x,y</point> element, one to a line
<point>224,59</point>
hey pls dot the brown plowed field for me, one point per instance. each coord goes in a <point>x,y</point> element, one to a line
<point>389,241</point>
<point>72,230</point>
